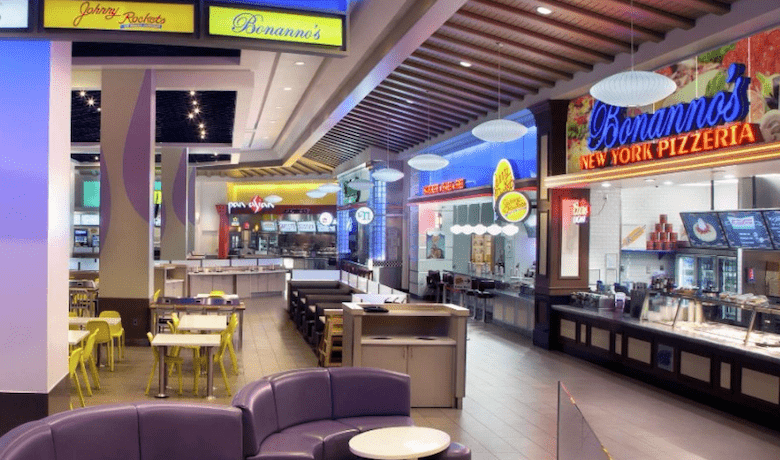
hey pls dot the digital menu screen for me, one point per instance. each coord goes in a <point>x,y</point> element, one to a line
<point>325,228</point>
<point>772,219</point>
<point>288,226</point>
<point>307,226</point>
<point>268,226</point>
<point>704,230</point>
<point>745,229</point>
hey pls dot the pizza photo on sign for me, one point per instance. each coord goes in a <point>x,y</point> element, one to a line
<point>705,231</point>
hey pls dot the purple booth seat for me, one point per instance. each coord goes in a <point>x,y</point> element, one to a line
<point>128,432</point>
<point>311,414</point>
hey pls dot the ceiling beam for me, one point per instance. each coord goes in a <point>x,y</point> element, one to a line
<point>462,81</point>
<point>524,49</point>
<point>591,53</point>
<point>407,113</point>
<point>380,127</point>
<point>473,72</point>
<point>388,123</point>
<point>422,98</point>
<point>710,6</point>
<point>447,91</point>
<point>369,137</point>
<point>656,14</point>
<point>516,61</point>
<point>415,108</point>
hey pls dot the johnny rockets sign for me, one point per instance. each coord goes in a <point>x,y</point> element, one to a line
<point>123,16</point>
<point>702,125</point>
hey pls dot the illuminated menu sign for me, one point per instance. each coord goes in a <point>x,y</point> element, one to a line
<point>288,226</point>
<point>449,186</point>
<point>268,226</point>
<point>745,229</point>
<point>673,131</point>
<point>121,16</point>
<point>14,14</point>
<point>307,226</point>
<point>276,26</point>
<point>704,230</point>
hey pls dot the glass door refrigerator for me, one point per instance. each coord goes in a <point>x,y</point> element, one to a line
<point>727,267</point>
<point>686,270</point>
<point>708,275</point>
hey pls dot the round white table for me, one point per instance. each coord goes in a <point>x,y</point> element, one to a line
<point>400,442</point>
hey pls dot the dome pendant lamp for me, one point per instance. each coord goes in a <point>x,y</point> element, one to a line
<point>634,88</point>
<point>428,161</point>
<point>388,174</point>
<point>499,130</point>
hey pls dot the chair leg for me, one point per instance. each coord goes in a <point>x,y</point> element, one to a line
<point>111,354</point>
<point>181,386</point>
<point>233,359</point>
<point>224,376</point>
<point>86,379</point>
<point>78,390</point>
<point>196,365</point>
<point>151,376</point>
<point>93,368</point>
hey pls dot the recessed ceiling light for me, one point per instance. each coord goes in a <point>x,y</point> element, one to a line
<point>197,110</point>
<point>191,115</point>
<point>98,109</point>
<point>543,10</point>
<point>192,93</point>
<point>668,182</point>
<point>606,184</point>
<point>649,180</point>
<point>97,158</point>
<point>265,137</point>
<point>465,63</point>
<point>278,106</point>
<point>202,125</point>
<point>300,63</point>
<point>287,88</point>
<point>90,101</point>
<point>272,122</point>
<point>194,102</point>
<point>82,93</point>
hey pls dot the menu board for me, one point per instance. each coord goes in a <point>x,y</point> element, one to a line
<point>745,229</point>
<point>268,226</point>
<point>325,228</point>
<point>307,226</point>
<point>772,219</point>
<point>288,226</point>
<point>90,219</point>
<point>704,230</point>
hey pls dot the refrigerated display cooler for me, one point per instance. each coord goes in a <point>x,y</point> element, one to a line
<point>707,271</point>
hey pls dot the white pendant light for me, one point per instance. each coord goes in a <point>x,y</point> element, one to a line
<point>456,229</point>
<point>468,229</point>
<point>428,161</point>
<point>273,199</point>
<point>499,130</point>
<point>480,229</point>
<point>360,184</point>
<point>510,230</point>
<point>331,187</point>
<point>316,194</point>
<point>494,229</point>
<point>388,174</point>
<point>634,88</point>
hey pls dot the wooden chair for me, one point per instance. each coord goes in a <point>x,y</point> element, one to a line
<point>331,343</point>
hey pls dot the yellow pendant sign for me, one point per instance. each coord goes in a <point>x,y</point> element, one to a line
<point>124,16</point>
<point>276,26</point>
<point>513,206</point>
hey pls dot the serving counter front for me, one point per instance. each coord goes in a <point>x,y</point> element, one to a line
<point>244,283</point>
<point>734,375</point>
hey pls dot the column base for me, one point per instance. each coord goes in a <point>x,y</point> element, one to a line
<point>19,408</point>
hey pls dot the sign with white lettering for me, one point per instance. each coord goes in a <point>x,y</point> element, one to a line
<point>256,205</point>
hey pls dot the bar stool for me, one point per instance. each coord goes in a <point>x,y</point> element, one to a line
<point>433,281</point>
<point>448,282</point>
<point>485,294</point>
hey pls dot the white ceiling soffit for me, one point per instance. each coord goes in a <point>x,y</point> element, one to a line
<point>376,46</point>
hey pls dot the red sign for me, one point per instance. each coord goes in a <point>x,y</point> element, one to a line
<point>448,186</point>
<point>580,212</point>
<point>704,140</point>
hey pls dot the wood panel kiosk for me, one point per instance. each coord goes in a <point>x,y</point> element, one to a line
<point>426,341</point>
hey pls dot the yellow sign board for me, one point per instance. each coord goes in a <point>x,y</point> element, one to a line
<point>513,206</point>
<point>503,179</point>
<point>276,26</point>
<point>124,16</point>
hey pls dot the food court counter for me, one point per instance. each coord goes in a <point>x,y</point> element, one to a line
<point>244,283</point>
<point>514,311</point>
<point>739,378</point>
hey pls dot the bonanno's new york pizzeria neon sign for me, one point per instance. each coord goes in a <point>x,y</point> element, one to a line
<point>672,131</point>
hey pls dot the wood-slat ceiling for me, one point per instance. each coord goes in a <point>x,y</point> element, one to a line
<point>303,167</point>
<point>536,52</point>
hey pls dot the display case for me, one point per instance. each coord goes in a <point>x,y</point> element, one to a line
<point>730,319</point>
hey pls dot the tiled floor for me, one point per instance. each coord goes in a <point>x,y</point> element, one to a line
<point>509,412</point>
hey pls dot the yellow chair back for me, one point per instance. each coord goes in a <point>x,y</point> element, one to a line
<point>157,295</point>
<point>90,343</point>
<point>73,360</point>
<point>101,329</point>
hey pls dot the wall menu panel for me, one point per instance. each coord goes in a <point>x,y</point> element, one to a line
<point>704,230</point>
<point>242,22</point>
<point>119,16</point>
<point>14,14</point>
<point>745,229</point>
<point>772,219</point>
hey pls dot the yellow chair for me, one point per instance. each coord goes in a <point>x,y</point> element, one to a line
<point>73,327</point>
<point>87,356</point>
<point>117,331</point>
<point>73,314</point>
<point>73,362</point>
<point>173,325</point>
<point>218,357</point>
<point>172,360</point>
<point>102,337</point>
<point>157,295</point>
<point>231,329</point>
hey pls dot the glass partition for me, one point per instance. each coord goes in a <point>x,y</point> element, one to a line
<point>576,439</point>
